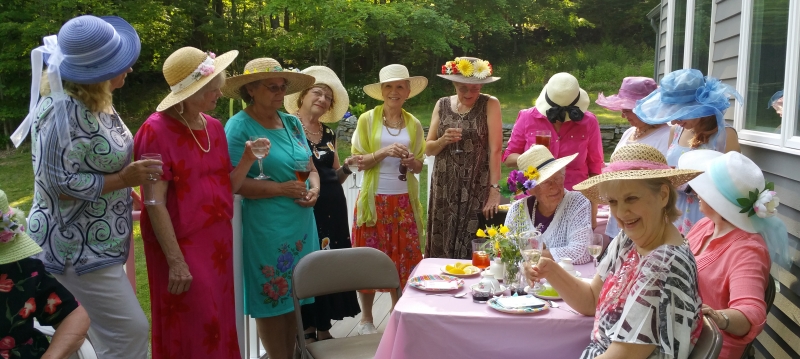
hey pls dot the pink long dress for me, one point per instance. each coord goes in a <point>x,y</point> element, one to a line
<point>201,322</point>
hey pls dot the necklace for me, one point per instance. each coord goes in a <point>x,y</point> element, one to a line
<point>639,134</point>
<point>193,136</point>
<point>309,133</point>
<point>390,126</point>
<point>462,114</point>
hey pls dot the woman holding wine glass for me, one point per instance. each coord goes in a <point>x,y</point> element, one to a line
<point>278,226</point>
<point>466,136</point>
<point>387,141</point>
<point>325,102</point>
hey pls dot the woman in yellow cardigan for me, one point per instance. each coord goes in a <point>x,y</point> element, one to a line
<point>389,143</point>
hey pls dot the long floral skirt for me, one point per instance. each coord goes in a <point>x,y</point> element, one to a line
<point>395,233</point>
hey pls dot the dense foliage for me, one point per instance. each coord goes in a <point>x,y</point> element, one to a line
<point>354,37</point>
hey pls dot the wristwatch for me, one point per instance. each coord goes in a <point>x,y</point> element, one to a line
<point>346,169</point>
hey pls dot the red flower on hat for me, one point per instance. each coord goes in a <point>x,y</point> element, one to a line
<point>28,308</point>
<point>5,283</point>
<point>53,301</point>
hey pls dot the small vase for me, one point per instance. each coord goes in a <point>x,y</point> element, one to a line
<point>498,268</point>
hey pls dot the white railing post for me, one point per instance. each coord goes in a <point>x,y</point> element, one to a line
<point>238,292</point>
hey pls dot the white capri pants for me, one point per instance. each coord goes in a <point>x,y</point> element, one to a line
<point>119,328</point>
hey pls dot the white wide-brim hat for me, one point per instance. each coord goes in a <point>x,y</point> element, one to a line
<point>327,77</point>
<point>562,89</point>
<point>266,68</point>
<point>183,75</point>
<point>540,158</point>
<point>395,72</point>
<point>739,171</point>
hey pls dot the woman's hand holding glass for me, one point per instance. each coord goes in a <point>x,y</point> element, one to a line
<point>396,150</point>
<point>141,172</point>
<point>541,270</point>
<point>452,135</point>
<point>530,245</point>
<point>260,148</point>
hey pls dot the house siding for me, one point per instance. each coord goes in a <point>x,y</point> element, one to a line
<point>662,50</point>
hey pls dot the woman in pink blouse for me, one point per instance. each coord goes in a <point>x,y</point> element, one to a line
<point>561,109</point>
<point>732,249</point>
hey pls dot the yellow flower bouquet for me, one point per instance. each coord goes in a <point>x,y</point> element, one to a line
<point>504,245</point>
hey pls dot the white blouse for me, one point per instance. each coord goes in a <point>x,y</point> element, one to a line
<point>570,232</point>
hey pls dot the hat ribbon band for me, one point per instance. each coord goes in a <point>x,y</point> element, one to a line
<point>630,95</point>
<point>557,112</point>
<point>545,163</point>
<point>719,175</point>
<point>617,166</point>
<point>92,56</point>
<point>676,97</point>
<point>204,69</point>
<point>54,76</point>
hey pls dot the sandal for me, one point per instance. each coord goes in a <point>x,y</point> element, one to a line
<point>308,336</point>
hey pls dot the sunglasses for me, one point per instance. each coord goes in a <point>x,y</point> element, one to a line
<point>276,88</point>
<point>403,171</point>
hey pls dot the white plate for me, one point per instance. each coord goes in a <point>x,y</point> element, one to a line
<point>493,304</point>
<point>436,283</point>
<point>459,275</point>
<point>531,292</point>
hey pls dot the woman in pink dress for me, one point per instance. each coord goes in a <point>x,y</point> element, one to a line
<point>188,239</point>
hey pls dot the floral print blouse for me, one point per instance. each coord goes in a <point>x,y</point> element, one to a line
<point>28,291</point>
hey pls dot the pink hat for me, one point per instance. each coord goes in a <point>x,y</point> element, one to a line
<point>632,90</point>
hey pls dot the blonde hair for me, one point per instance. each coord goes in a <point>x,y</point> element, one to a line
<point>97,97</point>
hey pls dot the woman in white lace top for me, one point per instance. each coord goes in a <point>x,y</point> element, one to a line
<point>564,217</point>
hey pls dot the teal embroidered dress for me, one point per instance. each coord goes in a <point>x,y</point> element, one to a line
<point>276,232</point>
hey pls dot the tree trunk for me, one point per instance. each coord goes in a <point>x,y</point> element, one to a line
<point>286,19</point>
<point>274,22</point>
<point>218,8</point>
<point>329,55</point>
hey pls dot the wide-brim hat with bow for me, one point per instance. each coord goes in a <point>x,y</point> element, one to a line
<point>188,69</point>
<point>635,161</point>
<point>15,244</point>
<point>633,89</point>
<point>539,157</point>
<point>325,76</point>
<point>564,97</point>
<point>468,70</point>
<point>395,72</point>
<point>266,68</point>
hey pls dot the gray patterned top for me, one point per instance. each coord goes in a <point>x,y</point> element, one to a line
<point>92,230</point>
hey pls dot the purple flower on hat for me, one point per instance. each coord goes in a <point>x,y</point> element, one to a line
<point>529,184</point>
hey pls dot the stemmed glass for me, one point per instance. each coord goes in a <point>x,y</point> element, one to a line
<point>355,178</point>
<point>596,246</point>
<point>458,127</point>
<point>302,169</point>
<point>531,248</point>
<point>149,195</point>
<point>259,146</point>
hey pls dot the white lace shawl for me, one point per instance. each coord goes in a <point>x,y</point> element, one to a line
<point>570,231</point>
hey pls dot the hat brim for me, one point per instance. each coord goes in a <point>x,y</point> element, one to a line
<point>21,247</point>
<point>126,56</point>
<point>705,188</point>
<point>340,98</point>
<point>615,102</point>
<point>418,83</point>
<point>221,62</point>
<point>469,80</point>
<point>543,106</point>
<point>551,168</point>
<point>297,82</point>
<point>677,177</point>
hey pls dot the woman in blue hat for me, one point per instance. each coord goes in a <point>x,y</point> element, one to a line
<point>81,214</point>
<point>697,104</point>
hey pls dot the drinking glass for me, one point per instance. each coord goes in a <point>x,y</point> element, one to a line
<point>259,146</point>
<point>354,185</point>
<point>543,138</point>
<point>148,188</point>
<point>302,169</point>
<point>480,258</point>
<point>596,247</point>
<point>531,247</point>
<point>458,127</point>
<point>403,171</point>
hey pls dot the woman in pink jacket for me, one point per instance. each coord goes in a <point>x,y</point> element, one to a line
<point>733,249</point>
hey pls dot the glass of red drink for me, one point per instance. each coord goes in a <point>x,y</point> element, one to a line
<point>543,138</point>
<point>480,258</point>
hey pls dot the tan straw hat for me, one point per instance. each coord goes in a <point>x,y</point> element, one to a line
<point>324,76</point>
<point>188,69</point>
<point>634,162</point>
<point>468,70</point>
<point>266,68</point>
<point>539,157</point>
<point>562,89</point>
<point>395,72</point>
<point>15,244</point>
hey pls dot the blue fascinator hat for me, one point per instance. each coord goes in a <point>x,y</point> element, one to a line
<point>685,95</point>
<point>777,96</point>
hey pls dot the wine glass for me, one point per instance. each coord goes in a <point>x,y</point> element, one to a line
<point>596,246</point>
<point>458,127</point>
<point>354,185</point>
<point>531,248</point>
<point>149,195</point>
<point>302,169</point>
<point>259,146</point>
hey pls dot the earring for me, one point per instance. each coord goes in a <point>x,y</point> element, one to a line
<point>180,110</point>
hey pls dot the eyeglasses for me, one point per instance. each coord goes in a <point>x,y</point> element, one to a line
<point>276,88</point>
<point>320,93</point>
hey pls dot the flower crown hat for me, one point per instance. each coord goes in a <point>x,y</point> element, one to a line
<point>684,95</point>
<point>87,50</point>
<point>468,70</point>
<point>635,162</point>
<point>325,76</point>
<point>562,97</point>
<point>536,165</point>
<point>633,89</point>
<point>395,72</point>
<point>734,187</point>
<point>188,69</point>
<point>15,244</point>
<point>266,68</point>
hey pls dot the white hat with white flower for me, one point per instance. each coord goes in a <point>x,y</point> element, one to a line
<point>734,187</point>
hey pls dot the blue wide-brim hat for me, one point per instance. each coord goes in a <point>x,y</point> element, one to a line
<point>97,49</point>
<point>775,97</point>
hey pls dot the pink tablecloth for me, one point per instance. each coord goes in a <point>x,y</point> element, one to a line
<point>427,326</point>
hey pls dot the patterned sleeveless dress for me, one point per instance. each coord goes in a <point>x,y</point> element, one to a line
<point>460,183</point>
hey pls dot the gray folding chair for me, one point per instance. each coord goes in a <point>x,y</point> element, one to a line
<point>710,342</point>
<point>769,298</point>
<point>341,270</point>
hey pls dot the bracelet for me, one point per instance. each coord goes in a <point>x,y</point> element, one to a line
<point>373,157</point>
<point>727,320</point>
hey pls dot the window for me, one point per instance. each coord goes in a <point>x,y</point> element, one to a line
<point>767,62</point>
<point>701,35</point>
<point>678,34</point>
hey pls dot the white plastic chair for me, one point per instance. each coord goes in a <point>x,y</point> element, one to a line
<point>85,352</point>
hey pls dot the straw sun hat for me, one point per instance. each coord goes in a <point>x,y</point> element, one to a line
<point>266,68</point>
<point>15,244</point>
<point>636,161</point>
<point>188,69</point>
<point>478,71</point>
<point>325,76</point>
<point>563,91</point>
<point>540,158</point>
<point>395,72</point>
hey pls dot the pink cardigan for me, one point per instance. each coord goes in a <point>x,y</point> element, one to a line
<point>732,273</point>
<point>582,137</point>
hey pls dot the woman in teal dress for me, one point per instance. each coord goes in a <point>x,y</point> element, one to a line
<point>278,226</point>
